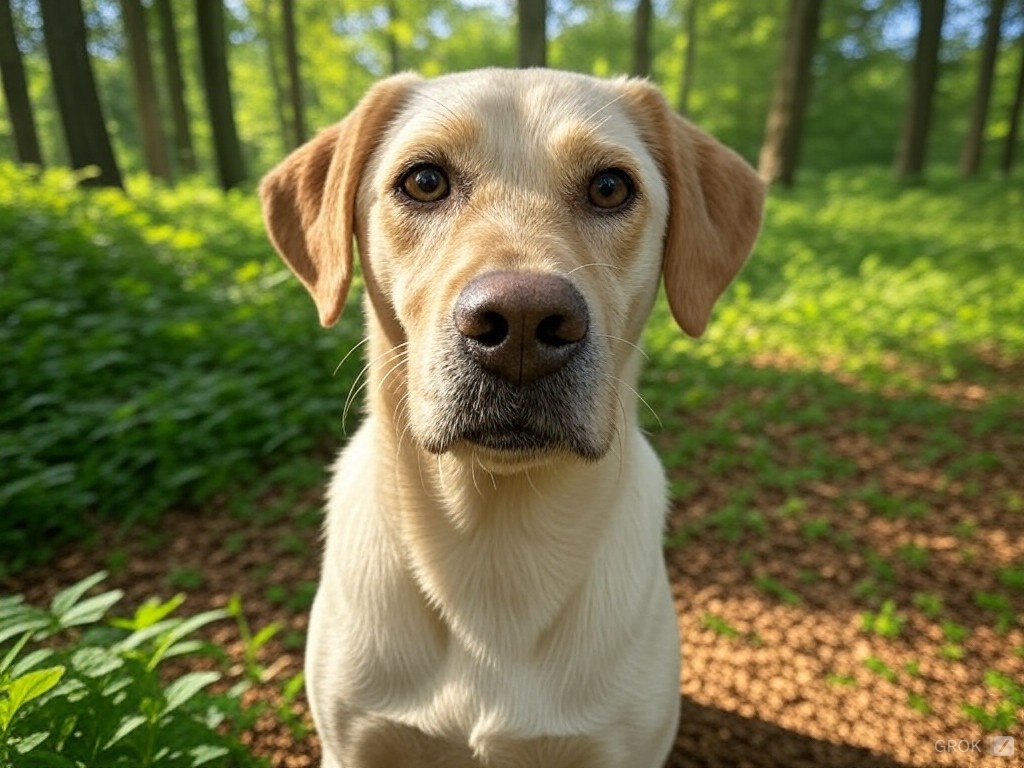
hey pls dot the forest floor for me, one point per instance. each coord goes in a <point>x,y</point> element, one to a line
<point>856,623</point>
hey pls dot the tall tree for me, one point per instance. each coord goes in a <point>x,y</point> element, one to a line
<point>77,99</point>
<point>186,155</point>
<point>970,157</point>
<point>214,58</point>
<point>270,40</point>
<point>1010,142</point>
<point>780,152</point>
<point>533,35</point>
<point>391,37</point>
<point>910,157</point>
<point>147,105</point>
<point>642,39</point>
<point>689,57</point>
<point>19,106</point>
<point>291,56</point>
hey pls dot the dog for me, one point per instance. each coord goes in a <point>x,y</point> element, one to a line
<point>493,590</point>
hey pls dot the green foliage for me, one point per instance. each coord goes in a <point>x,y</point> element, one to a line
<point>153,350</point>
<point>77,689</point>
<point>1003,715</point>
<point>880,668</point>
<point>887,622</point>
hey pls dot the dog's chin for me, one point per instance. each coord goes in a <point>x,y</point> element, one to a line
<point>508,450</point>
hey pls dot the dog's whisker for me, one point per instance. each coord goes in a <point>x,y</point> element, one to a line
<point>593,264</point>
<point>637,347</point>
<point>618,429</point>
<point>358,387</point>
<point>536,490</point>
<point>403,358</point>
<point>472,472</point>
<point>638,397</point>
<point>348,354</point>
<point>602,108</point>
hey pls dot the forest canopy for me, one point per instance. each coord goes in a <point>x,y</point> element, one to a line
<point>297,67</point>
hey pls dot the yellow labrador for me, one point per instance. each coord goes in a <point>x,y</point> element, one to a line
<point>493,590</point>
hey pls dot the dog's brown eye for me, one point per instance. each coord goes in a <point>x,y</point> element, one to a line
<point>426,184</point>
<point>610,189</point>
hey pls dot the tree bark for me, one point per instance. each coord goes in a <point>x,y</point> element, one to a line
<point>214,59</point>
<point>394,53</point>
<point>291,55</point>
<point>19,106</point>
<point>780,153</point>
<point>1010,143</point>
<point>970,157</point>
<point>77,99</point>
<point>147,106</point>
<point>186,155</point>
<point>533,38</point>
<point>642,39</point>
<point>689,57</point>
<point>274,70</point>
<point>910,157</point>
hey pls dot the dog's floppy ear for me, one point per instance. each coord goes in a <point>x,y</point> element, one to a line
<point>715,205</point>
<point>309,199</point>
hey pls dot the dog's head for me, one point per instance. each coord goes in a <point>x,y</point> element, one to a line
<point>512,227</point>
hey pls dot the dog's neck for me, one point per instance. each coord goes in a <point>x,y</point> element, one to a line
<point>521,538</point>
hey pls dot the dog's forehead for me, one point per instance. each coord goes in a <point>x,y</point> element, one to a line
<point>513,111</point>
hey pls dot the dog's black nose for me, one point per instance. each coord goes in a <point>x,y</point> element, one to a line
<point>521,326</point>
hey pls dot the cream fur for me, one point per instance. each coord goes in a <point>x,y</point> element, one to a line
<point>479,608</point>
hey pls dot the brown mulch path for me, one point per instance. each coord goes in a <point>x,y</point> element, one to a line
<point>778,669</point>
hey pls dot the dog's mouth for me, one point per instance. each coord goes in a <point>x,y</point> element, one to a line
<point>559,414</point>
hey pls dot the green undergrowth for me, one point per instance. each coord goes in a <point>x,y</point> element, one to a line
<point>153,351</point>
<point>80,688</point>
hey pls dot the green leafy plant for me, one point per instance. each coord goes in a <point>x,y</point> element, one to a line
<point>886,622</point>
<point>77,689</point>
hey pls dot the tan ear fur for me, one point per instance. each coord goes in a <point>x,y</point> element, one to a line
<point>309,199</point>
<point>715,205</point>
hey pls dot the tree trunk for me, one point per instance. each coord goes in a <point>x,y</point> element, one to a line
<point>1010,143</point>
<point>214,57</point>
<point>147,106</point>
<point>642,39</point>
<point>689,57</point>
<point>533,37</point>
<point>19,106</point>
<point>275,73</point>
<point>970,158</point>
<point>77,99</point>
<point>291,55</point>
<point>910,158</point>
<point>175,87</point>
<point>780,153</point>
<point>394,54</point>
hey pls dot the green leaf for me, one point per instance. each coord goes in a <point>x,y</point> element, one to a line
<point>66,598</point>
<point>185,687</point>
<point>26,744</point>
<point>91,610</point>
<point>263,636</point>
<point>128,724</point>
<point>29,622</point>
<point>186,627</point>
<point>205,753</point>
<point>29,661</point>
<point>150,613</point>
<point>95,662</point>
<point>24,689</point>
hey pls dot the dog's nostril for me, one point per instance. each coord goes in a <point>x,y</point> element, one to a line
<point>492,329</point>
<point>560,330</point>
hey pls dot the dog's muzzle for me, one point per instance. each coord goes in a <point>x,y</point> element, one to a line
<point>525,375</point>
